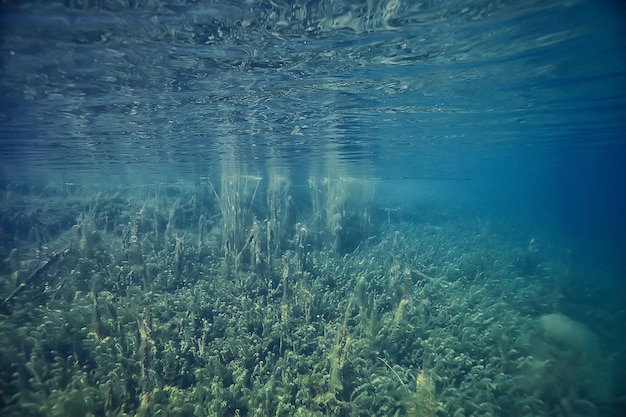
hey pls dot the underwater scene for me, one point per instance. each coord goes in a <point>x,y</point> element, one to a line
<point>312,208</point>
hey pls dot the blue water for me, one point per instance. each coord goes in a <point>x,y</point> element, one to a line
<point>507,112</point>
<point>516,107</point>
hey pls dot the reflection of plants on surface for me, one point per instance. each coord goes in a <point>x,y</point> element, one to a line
<point>141,317</point>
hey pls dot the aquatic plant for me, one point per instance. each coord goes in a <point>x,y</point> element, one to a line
<point>170,301</point>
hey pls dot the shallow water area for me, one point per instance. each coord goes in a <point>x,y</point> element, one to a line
<point>312,208</point>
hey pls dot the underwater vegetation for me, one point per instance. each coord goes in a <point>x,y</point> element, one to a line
<point>250,297</point>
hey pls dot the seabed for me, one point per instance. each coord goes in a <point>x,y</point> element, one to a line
<point>253,297</point>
